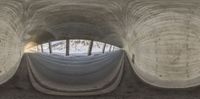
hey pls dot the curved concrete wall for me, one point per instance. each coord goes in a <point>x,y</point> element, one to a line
<point>10,44</point>
<point>162,34</point>
<point>166,44</point>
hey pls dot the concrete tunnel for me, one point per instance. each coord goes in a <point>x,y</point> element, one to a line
<point>161,36</point>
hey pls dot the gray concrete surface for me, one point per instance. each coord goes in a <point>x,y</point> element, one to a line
<point>75,76</point>
<point>131,87</point>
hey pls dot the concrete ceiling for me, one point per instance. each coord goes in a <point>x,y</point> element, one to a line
<point>162,34</point>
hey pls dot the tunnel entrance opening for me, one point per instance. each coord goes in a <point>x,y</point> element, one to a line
<point>78,47</point>
<point>59,47</point>
<point>45,48</point>
<point>73,47</point>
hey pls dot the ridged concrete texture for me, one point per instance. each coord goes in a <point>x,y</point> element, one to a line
<point>10,43</point>
<point>75,76</point>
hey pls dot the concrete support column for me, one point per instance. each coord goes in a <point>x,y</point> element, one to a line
<point>42,48</point>
<point>67,47</point>
<point>104,47</point>
<point>113,48</point>
<point>50,48</point>
<point>110,48</point>
<point>90,48</point>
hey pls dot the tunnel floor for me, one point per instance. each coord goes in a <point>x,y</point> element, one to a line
<point>131,87</point>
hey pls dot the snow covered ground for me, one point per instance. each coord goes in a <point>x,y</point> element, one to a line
<point>77,47</point>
